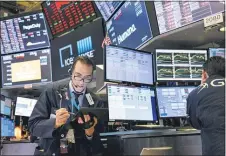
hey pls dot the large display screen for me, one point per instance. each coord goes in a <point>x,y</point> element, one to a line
<point>175,14</point>
<point>26,68</point>
<point>130,27</point>
<point>217,52</point>
<point>84,41</point>
<point>6,104</point>
<point>24,106</point>
<point>7,127</point>
<point>131,103</point>
<point>172,101</point>
<point>180,64</point>
<point>107,8</point>
<point>63,16</point>
<point>24,33</point>
<point>128,65</point>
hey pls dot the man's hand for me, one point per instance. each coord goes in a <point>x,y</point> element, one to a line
<point>90,131</point>
<point>61,117</point>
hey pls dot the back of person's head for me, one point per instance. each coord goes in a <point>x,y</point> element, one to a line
<point>215,66</point>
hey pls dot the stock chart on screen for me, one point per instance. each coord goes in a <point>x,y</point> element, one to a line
<point>180,64</point>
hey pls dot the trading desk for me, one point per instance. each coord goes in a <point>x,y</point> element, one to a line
<point>130,142</point>
<point>186,142</point>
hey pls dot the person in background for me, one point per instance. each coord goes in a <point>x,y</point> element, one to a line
<point>51,114</point>
<point>206,107</point>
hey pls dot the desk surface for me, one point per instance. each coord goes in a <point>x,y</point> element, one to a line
<point>151,133</point>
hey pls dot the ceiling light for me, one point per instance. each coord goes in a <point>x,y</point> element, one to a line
<point>222,29</point>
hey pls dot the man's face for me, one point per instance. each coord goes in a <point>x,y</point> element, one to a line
<point>81,76</point>
<point>204,76</point>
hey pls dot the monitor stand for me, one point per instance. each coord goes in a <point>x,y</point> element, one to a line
<point>121,129</point>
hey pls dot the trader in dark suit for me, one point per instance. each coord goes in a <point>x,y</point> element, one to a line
<point>206,107</point>
<point>52,113</point>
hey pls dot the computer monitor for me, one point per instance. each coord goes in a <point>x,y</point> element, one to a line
<point>175,14</point>
<point>63,16</point>
<point>129,26</point>
<point>107,8</point>
<point>172,101</point>
<point>217,52</point>
<point>128,65</point>
<point>179,65</point>
<point>6,104</point>
<point>7,127</point>
<point>131,103</point>
<point>24,106</point>
<point>26,68</point>
<point>23,32</point>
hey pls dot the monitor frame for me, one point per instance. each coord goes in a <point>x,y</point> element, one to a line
<point>127,82</point>
<point>10,106</point>
<point>156,69</point>
<point>33,84</point>
<point>16,105</point>
<point>72,29</point>
<point>13,121</point>
<point>27,14</point>
<point>157,102</point>
<point>121,120</point>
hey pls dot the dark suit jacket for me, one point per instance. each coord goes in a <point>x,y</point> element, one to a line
<point>42,125</point>
<point>206,110</point>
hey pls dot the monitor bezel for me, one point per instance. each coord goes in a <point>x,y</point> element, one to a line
<point>27,14</point>
<point>57,35</point>
<point>33,84</point>
<point>120,81</point>
<point>209,51</point>
<point>157,102</point>
<point>122,120</point>
<point>149,22</point>
<point>8,115</point>
<point>177,80</point>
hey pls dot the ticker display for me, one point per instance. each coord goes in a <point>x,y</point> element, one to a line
<point>175,14</point>
<point>24,33</point>
<point>179,64</point>
<point>26,68</point>
<point>63,16</point>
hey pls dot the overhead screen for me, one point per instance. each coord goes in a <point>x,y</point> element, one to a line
<point>131,103</point>
<point>24,33</point>
<point>130,27</point>
<point>26,68</point>
<point>217,52</point>
<point>128,65</point>
<point>24,106</point>
<point>179,64</point>
<point>175,14</point>
<point>107,8</point>
<point>6,104</point>
<point>85,41</point>
<point>172,101</point>
<point>7,127</point>
<point>63,16</point>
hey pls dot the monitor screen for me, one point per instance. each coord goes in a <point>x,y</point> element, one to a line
<point>179,64</point>
<point>107,8</point>
<point>5,105</point>
<point>130,27</point>
<point>172,101</point>
<point>172,15</point>
<point>26,68</point>
<point>83,41</point>
<point>217,52</point>
<point>24,33</point>
<point>63,16</point>
<point>7,127</point>
<point>128,65</point>
<point>24,106</point>
<point>131,103</point>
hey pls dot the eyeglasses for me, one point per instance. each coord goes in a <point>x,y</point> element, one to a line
<point>85,79</point>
